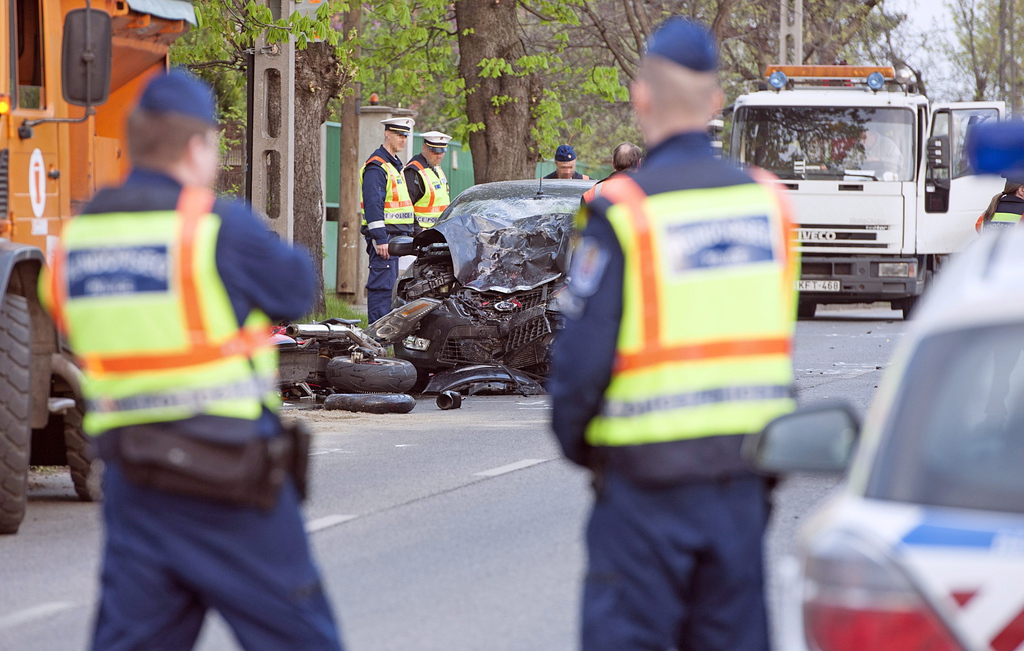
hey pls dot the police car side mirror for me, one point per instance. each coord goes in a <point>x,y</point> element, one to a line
<point>816,439</point>
<point>401,245</point>
<point>86,57</point>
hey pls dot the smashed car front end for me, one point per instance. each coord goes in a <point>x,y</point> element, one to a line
<point>496,262</point>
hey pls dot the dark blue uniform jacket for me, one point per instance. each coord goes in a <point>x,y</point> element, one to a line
<point>258,270</point>
<point>584,352</point>
<point>375,188</point>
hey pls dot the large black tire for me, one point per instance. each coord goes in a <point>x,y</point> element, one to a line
<point>85,474</point>
<point>373,404</point>
<point>15,403</point>
<point>806,309</point>
<point>382,375</point>
<point>908,305</point>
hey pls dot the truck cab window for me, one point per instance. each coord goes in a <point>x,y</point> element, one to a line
<point>827,143</point>
<point>963,121</point>
<point>28,41</point>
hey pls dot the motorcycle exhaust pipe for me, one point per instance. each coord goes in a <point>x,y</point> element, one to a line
<point>449,400</point>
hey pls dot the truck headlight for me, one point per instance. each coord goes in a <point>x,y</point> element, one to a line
<point>897,269</point>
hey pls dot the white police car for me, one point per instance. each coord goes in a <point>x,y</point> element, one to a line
<point>923,548</point>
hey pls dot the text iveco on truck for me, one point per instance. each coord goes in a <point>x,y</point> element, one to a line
<point>877,176</point>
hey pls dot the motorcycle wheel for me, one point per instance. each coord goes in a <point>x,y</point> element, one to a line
<point>372,404</point>
<point>381,375</point>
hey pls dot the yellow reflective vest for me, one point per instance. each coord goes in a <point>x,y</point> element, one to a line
<point>397,204</point>
<point>435,197</point>
<point>144,309</point>
<point>708,314</point>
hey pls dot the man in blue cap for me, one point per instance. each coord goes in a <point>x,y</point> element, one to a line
<point>387,211</point>
<point>202,481</point>
<point>565,164</point>
<point>679,319</point>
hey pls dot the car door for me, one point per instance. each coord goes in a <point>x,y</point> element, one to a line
<point>954,197</point>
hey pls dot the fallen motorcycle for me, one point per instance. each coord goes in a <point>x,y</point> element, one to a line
<point>337,356</point>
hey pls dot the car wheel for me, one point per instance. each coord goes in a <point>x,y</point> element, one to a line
<point>15,402</point>
<point>381,375</point>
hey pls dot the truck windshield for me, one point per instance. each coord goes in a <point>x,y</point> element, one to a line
<point>805,142</point>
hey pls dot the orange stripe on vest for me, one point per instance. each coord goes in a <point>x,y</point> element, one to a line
<point>194,204</point>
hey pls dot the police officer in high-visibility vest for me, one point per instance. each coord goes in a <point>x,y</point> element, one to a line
<point>1005,209</point>
<point>387,211</point>
<point>428,186</point>
<point>165,294</point>
<point>679,319</point>
<point>626,157</point>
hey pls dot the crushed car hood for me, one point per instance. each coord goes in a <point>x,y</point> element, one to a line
<point>509,244</point>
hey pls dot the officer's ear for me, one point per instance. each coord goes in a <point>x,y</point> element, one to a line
<point>640,95</point>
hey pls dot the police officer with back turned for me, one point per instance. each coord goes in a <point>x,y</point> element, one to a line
<point>428,186</point>
<point>679,323</point>
<point>166,296</point>
<point>387,211</point>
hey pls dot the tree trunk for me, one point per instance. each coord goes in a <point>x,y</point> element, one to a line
<point>505,148</point>
<point>318,79</point>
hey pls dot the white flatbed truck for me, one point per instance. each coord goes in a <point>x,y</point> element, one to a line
<point>877,175</point>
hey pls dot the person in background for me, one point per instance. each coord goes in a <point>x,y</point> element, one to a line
<point>626,157</point>
<point>428,186</point>
<point>387,212</point>
<point>1005,209</point>
<point>565,164</point>
<point>677,342</point>
<point>202,482</point>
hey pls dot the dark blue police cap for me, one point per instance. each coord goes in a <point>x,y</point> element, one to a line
<point>997,148</point>
<point>182,93</point>
<point>565,153</point>
<point>686,43</point>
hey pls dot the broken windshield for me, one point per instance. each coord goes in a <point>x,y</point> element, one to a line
<point>805,142</point>
<point>511,243</point>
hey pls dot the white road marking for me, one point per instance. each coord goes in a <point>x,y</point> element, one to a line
<point>535,402</point>
<point>327,521</point>
<point>35,612</point>
<point>405,445</point>
<point>331,451</point>
<point>512,467</point>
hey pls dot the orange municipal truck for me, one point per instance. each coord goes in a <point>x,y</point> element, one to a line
<point>70,70</point>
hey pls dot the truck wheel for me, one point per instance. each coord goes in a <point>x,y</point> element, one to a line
<point>84,473</point>
<point>907,305</point>
<point>15,402</point>
<point>382,375</point>
<point>806,310</point>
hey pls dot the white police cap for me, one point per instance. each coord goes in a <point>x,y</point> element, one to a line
<point>436,139</point>
<point>401,125</point>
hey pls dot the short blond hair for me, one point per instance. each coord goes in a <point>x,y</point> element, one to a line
<point>158,140</point>
<point>676,89</point>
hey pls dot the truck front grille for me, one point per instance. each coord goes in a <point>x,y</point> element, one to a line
<point>846,236</point>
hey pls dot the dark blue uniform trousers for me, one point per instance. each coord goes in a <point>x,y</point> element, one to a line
<point>379,283</point>
<point>169,558</point>
<point>676,568</point>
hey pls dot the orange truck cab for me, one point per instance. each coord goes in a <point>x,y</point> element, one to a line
<point>69,75</point>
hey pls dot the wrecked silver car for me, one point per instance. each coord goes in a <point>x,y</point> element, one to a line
<point>496,261</point>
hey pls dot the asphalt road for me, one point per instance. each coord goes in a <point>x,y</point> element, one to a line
<point>456,530</point>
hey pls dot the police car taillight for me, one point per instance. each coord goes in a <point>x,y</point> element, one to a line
<point>857,599</point>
